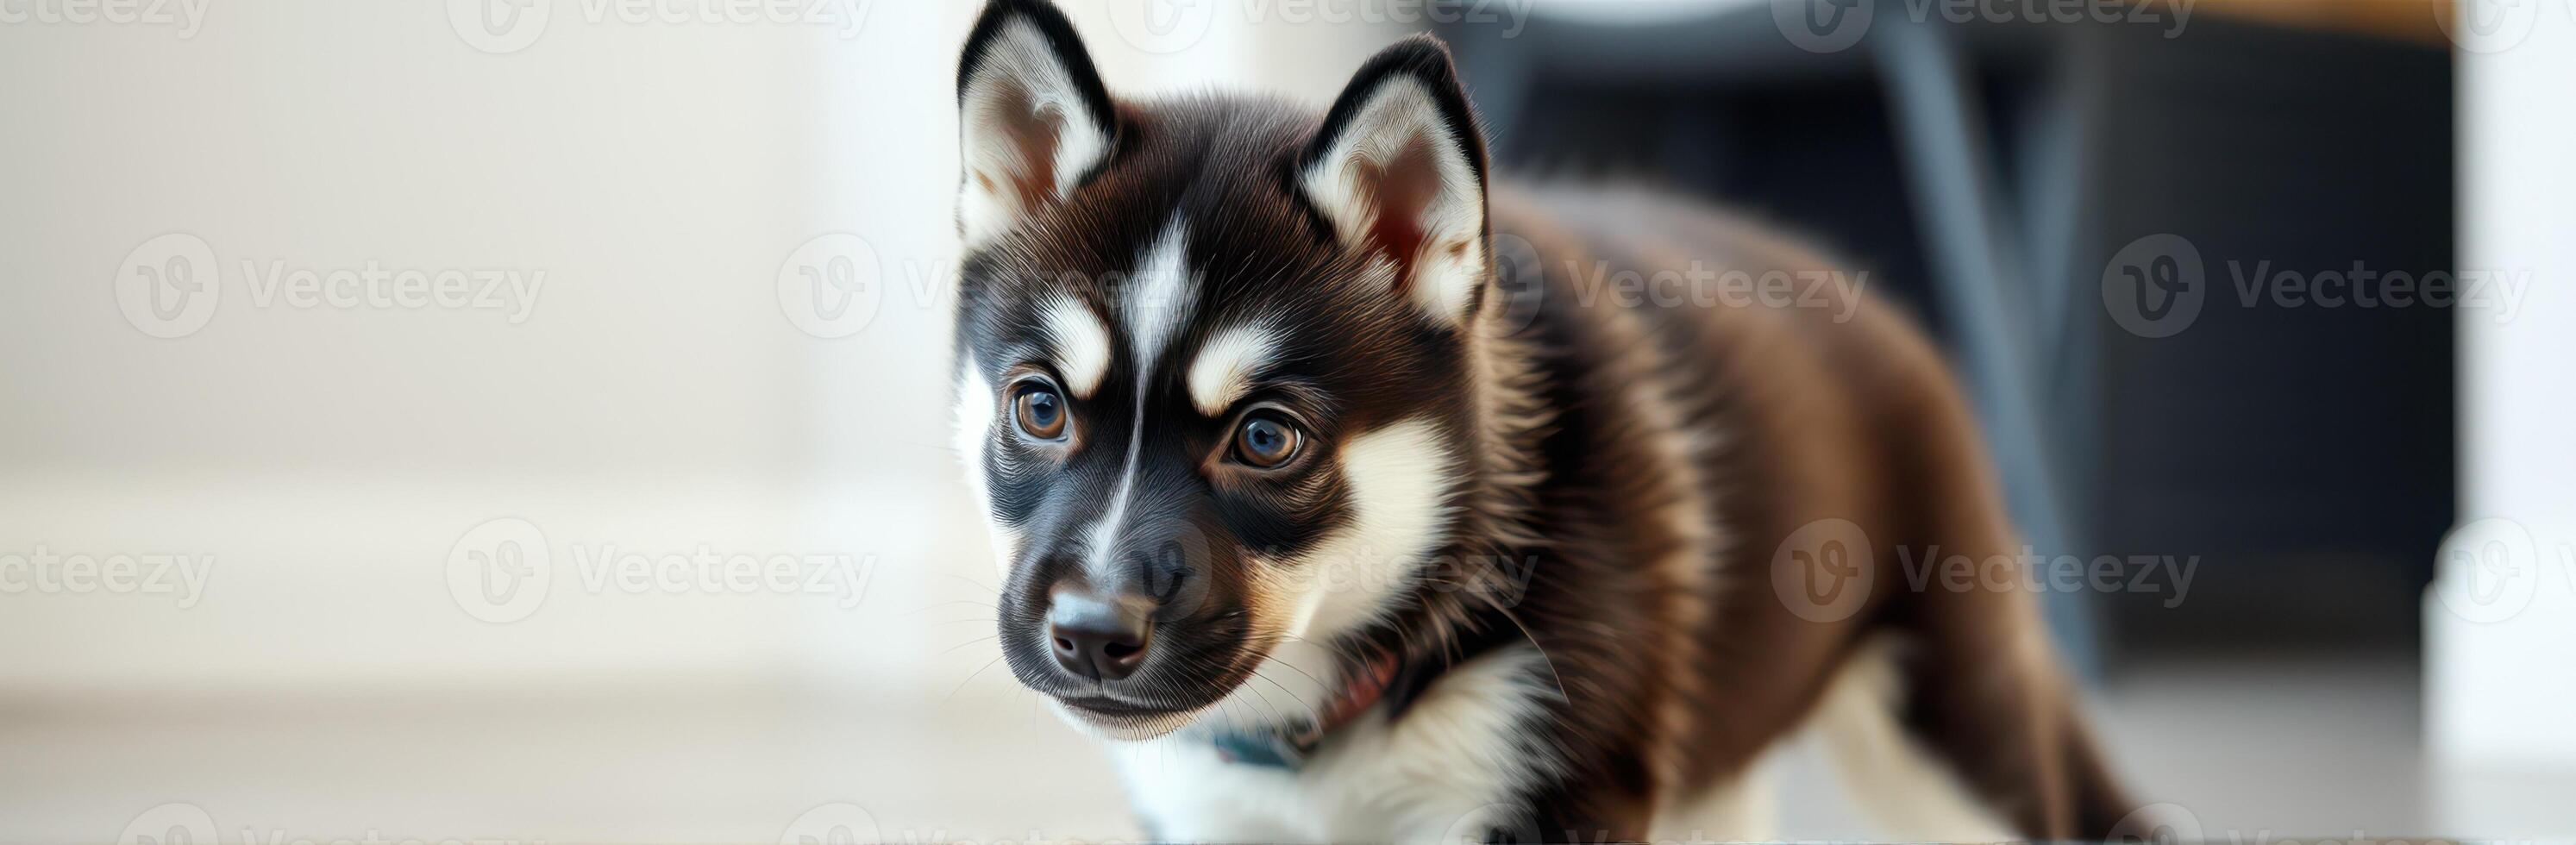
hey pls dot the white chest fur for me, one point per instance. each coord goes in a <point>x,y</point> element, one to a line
<point>1450,769</point>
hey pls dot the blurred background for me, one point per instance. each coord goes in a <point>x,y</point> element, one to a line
<point>527,419</point>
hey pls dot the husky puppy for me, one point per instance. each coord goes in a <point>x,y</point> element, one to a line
<point>1333,480</point>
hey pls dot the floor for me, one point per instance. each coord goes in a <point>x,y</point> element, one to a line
<point>334,684</point>
<point>2266,751</point>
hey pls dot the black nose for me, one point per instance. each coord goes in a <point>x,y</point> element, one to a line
<point>1098,637</point>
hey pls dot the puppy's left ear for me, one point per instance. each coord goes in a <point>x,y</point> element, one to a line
<point>1399,169</point>
<point>1033,118</point>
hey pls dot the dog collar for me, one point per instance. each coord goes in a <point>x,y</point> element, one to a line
<point>1290,749</point>
<point>1389,679</point>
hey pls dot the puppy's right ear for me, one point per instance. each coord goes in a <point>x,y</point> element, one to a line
<point>1033,118</point>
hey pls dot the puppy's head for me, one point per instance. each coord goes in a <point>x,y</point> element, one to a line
<point>1215,365</point>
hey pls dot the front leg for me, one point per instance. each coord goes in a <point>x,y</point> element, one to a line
<point>1183,791</point>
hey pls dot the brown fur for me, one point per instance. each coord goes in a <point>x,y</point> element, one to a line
<point>1803,418</point>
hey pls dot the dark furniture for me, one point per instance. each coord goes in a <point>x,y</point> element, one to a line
<point>1988,173</point>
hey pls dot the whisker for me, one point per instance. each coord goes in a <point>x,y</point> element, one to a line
<point>978,584</point>
<point>970,679</point>
<point>1543,657</point>
<point>971,642</point>
<point>926,608</point>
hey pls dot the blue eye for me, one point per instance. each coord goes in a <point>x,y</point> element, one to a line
<point>1265,441</point>
<point>1039,413</point>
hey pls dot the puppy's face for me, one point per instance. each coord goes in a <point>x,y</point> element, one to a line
<point>1214,373</point>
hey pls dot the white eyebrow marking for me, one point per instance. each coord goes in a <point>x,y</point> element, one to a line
<point>1156,298</point>
<point>1081,344</point>
<point>1223,371</point>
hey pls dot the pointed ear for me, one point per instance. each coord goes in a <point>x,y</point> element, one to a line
<point>1033,118</point>
<point>1399,169</point>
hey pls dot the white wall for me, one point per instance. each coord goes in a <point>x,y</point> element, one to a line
<point>650,395</point>
<point>651,172</point>
<point>2501,620</point>
<point>662,393</point>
